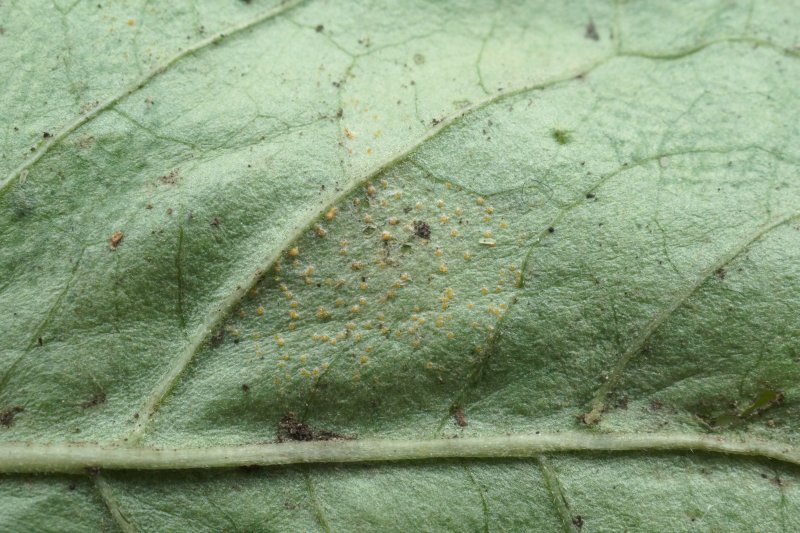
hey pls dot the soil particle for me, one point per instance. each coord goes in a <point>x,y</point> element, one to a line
<point>170,178</point>
<point>422,229</point>
<point>578,522</point>
<point>217,338</point>
<point>460,417</point>
<point>591,31</point>
<point>98,398</point>
<point>7,415</point>
<point>290,428</point>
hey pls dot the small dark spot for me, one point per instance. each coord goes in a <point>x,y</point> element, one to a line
<point>46,135</point>
<point>656,405</point>
<point>320,28</point>
<point>40,341</point>
<point>578,521</point>
<point>422,229</point>
<point>419,59</point>
<point>235,341</point>
<point>720,273</point>
<point>622,403</point>
<point>170,178</point>
<point>250,469</point>
<point>551,229</point>
<point>216,222</point>
<point>590,195</point>
<point>7,415</point>
<point>591,31</point>
<point>169,210</point>
<point>245,388</point>
<point>340,113</point>
<point>217,338</point>
<point>93,471</point>
<point>98,398</point>
<point>71,486</point>
<point>135,416</point>
<point>561,136</point>
<point>290,428</point>
<point>459,417</point>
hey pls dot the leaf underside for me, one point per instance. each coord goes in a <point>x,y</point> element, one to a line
<point>230,224</point>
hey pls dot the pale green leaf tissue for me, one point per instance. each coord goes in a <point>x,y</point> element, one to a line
<point>399,266</point>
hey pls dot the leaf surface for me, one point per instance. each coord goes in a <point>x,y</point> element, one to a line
<point>526,266</point>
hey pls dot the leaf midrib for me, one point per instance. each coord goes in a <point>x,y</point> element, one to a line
<point>77,457</point>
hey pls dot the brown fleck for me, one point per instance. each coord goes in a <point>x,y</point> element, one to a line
<point>170,178</point>
<point>460,418</point>
<point>422,229</point>
<point>591,31</point>
<point>656,405</point>
<point>245,388</point>
<point>720,272</point>
<point>290,428</point>
<point>116,237</point>
<point>622,403</point>
<point>216,338</point>
<point>7,415</point>
<point>98,398</point>
<point>320,28</point>
<point>578,521</point>
<point>216,221</point>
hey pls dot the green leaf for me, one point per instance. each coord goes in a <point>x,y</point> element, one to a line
<point>340,266</point>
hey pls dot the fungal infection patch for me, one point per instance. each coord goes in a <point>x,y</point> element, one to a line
<point>382,278</point>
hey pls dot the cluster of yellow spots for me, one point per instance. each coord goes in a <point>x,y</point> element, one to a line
<point>401,234</point>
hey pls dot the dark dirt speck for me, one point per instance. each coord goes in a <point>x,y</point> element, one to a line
<point>591,31</point>
<point>7,415</point>
<point>422,229</point>
<point>98,398</point>
<point>290,428</point>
